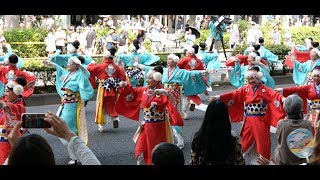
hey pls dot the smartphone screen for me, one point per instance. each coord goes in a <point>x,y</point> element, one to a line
<point>34,120</point>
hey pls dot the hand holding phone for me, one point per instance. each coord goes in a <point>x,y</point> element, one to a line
<point>34,120</point>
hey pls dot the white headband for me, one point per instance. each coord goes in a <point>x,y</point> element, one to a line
<point>174,57</point>
<point>74,60</point>
<point>315,72</point>
<point>253,73</point>
<point>255,56</point>
<point>316,50</point>
<point>16,88</point>
<point>155,75</point>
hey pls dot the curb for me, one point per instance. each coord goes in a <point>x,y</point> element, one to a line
<point>54,98</point>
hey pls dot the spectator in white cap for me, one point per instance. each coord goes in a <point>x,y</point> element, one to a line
<point>74,88</point>
<point>112,39</point>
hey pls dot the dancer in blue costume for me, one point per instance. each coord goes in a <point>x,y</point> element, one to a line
<point>302,71</point>
<point>74,89</point>
<point>238,74</point>
<point>210,60</point>
<point>72,49</point>
<point>131,60</point>
<point>264,53</point>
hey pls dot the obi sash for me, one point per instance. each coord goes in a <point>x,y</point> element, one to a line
<point>256,109</point>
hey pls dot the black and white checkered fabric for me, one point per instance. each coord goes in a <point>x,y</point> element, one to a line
<point>135,72</point>
<point>111,82</point>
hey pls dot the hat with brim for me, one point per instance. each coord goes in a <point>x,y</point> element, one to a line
<point>112,27</point>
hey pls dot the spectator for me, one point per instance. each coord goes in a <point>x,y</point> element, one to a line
<point>60,39</point>
<point>50,41</point>
<point>112,39</point>
<point>214,143</point>
<point>234,36</point>
<point>167,154</point>
<point>294,120</point>
<point>34,149</point>
<point>276,37</point>
<point>91,40</point>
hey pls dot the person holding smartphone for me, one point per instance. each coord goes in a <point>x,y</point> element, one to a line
<point>74,88</point>
<point>24,147</point>
<point>10,113</point>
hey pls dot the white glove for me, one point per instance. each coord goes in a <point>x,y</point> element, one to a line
<point>123,84</point>
<point>2,104</point>
<point>48,63</point>
<point>136,64</point>
<point>278,89</point>
<point>160,92</point>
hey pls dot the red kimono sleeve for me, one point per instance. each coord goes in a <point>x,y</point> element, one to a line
<point>275,111</point>
<point>131,108</point>
<point>175,117</point>
<point>235,102</point>
<point>16,109</point>
<point>301,91</point>
<point>31,80</point>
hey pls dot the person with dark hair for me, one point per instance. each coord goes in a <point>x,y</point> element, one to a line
<point>10,72</point>
<point>11,109</point>
<point>259,107</point>
<point>214,143</point>
<point>5,58</point>
<point>33,149</point>
<point>109,76</point>
<point>167,154</point>
<point>74,88</point>
<point>310,96</point>
<point>157,108</point>
<point>158,68</point>
<point>132,61</point>
<point>266,54</point>
<point>238,75</point>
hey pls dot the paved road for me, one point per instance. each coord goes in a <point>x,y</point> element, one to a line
<point>115,147</point>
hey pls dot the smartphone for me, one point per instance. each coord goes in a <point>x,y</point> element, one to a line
<point>34,120</point>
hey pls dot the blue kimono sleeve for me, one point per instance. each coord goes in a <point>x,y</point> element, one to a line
<point>148,59</point>
<point>190,80</point>
<point>214,62</point>
<point>299,75</point>
<point>237,75</point>
<point>85,88</point>
<point>59,73</point>
<point>126,59</point>
<point>61,60</point>
<point>269,56</point>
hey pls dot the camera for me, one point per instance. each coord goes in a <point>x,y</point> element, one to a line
<point>34,120</point>
<point>228,21</point>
